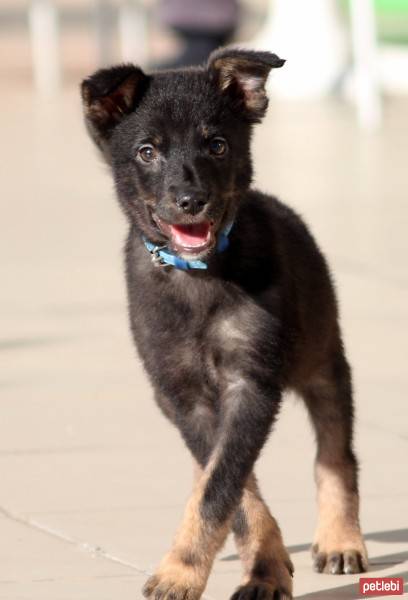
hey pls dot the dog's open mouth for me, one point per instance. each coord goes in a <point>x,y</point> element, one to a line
<point>191,238</point>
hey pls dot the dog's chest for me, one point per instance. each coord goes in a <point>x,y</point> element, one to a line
<point>184,336</point>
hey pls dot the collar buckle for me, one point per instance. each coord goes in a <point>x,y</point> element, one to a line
<point>157,260</point>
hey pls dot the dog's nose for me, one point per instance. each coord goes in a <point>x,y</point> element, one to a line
<point>191,203</point>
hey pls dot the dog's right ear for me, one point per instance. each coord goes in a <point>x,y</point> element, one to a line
<point>109,95</point>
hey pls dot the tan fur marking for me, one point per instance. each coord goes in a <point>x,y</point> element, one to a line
<point>263,542</point>
<point>230,67</point>
<point>252,84</point>
<point>338,528</point>
<point>231,331</point>
<point>187,566</point>
<point>204,130</point>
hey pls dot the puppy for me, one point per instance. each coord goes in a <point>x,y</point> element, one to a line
<point>230,303</point>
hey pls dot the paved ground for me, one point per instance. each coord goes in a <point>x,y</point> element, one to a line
<point>93,480</point>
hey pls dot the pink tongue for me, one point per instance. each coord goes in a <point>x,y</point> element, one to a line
<point>191,235</point>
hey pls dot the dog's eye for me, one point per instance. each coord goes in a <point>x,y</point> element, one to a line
<point>218,146</point>
<point>147,152</point>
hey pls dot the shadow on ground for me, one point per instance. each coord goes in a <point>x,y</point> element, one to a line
<point>393,535</point>
<point>377,563</point>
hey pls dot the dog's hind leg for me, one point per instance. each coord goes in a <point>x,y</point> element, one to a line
<point>260,545</point>
<point>338,545</point>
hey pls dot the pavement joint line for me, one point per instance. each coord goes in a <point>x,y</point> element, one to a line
<point>95,551</point>
<point>89,548</point>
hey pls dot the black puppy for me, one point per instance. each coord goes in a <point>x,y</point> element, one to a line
<point>231,302</point>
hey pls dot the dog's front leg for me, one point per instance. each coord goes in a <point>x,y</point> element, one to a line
<point>249,408</point>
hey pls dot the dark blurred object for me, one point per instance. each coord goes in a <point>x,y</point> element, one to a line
<point>202,25</point>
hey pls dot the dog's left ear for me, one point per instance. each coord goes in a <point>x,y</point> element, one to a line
<point>241,76</point>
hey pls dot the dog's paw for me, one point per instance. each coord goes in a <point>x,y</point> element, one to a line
<point>273,581</point>
<point>261,591</point>
<point>174,581</point>
<point>159,587</point>
<point>340,561</point>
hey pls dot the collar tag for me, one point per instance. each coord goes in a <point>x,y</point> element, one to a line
<point>157,260</point>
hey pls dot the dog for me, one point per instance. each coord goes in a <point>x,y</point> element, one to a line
<point>231,302</point>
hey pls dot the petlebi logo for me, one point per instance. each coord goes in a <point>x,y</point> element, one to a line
<point>381,586</point>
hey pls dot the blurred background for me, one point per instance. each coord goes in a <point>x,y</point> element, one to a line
<point>356,49</point>
<point>93,478</point>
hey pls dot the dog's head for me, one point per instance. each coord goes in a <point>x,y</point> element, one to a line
<point>178,142</point>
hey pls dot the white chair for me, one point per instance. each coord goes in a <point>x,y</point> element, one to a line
<point>366,88</point>
<point>310,35</point>
<point>45,49</point>
<point>44,26</point>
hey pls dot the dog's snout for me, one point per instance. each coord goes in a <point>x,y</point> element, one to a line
<point>191,203</point>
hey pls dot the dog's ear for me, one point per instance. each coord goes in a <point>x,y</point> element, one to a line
<point>241,76</point>
<point>109,95</point>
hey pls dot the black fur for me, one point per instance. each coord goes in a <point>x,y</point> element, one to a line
<point>220,345</point>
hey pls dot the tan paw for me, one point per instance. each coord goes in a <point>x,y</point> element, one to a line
<point>339,556</point>
<point>271,579</point>
<point>175,581</point>
<point>261,590</point>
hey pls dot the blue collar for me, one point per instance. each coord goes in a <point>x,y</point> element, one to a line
<point>161,256</point>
